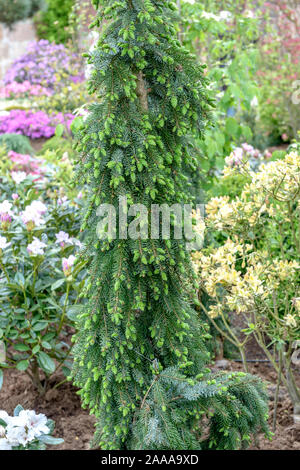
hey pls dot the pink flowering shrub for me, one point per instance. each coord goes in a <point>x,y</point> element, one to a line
<point>15,90</point>
<point>33,124</point>
<point>26,163</point>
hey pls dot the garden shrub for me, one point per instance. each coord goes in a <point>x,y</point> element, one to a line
<point>16,142</point>
<point>224,34</point>
<point>254,273</point>
<point>39,287</point>
<point>33,124</point>
<point>140,354</point>
<point>52,24</point>
<point>45,64</point>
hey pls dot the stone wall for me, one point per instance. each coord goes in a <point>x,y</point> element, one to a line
<point>13,43</point>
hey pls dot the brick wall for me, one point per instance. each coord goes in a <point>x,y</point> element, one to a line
<point>13,43</point>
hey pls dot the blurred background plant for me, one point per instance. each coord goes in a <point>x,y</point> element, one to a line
<point>16,10</point>
<point>53,23</point>
<point>224,35</point>
<point>279,71</point>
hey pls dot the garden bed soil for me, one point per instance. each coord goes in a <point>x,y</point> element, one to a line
<point>76,426</point>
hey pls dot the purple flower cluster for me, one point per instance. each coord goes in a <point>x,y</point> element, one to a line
<point>34,125</point>
<point>46,64</point>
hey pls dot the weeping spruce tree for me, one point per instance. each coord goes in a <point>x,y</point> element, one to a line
<point>140,355</point>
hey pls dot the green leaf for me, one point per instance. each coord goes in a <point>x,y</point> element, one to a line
<point>22,365</point>
<point>57,284</point>
<point>17,410</point>
<point>46,363</point>
<point>174,101</point>
<point>36,349</point>
<point>21,347</point>
<point>59,130</point>
<point>50,425</point>
<point>76,124</point>
<point>231,126</point>
<point>66,371</point>
<point>19,279</point>
<point>46,439</point>
<point>73,312</point>
<point>39,326</point>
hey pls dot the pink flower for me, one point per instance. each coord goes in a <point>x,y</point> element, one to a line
<point>235,158</point>
<point>36,247</point>
<point>15,196</point>
<point>61,201</point>
<point>268,154</point>
<point>67,264</point>
<point>285,137</point>
<point>248,148</point>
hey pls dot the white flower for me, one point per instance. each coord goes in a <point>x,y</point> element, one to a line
<point>39,207</point>
<point>4,444</point>
<point>290,320</point>
<point>3,245</point>
<point>225,15</point>
<point>33,213</point>
<point>208,16</point>
<point>17,435</point>
<point>18,176</point>
<point>4,416</point>
<point>36,247</point>
<point>22,429</point>
<point>62,238</point>
<point>35,423</point>
<point>254,102</point>
<point>5,207</point>
<point>30,215</point>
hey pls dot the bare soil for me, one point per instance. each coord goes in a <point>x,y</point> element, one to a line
<point>76,426</point>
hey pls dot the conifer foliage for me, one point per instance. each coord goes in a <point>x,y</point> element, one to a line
<point>140,355</point>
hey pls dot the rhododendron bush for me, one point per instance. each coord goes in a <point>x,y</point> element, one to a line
<point>40,280</point>
<point>33,124</point>
<point>45,64</point>
<point>254,273</point>
<point>41,90</point>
